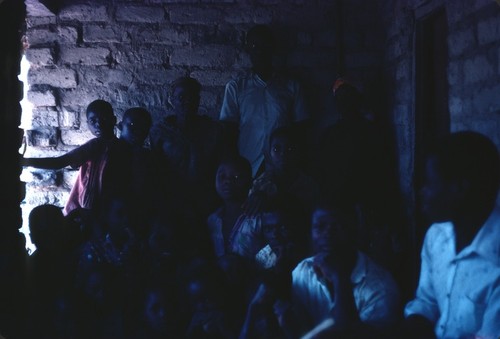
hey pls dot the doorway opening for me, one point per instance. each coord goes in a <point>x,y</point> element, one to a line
<point>432,117</point>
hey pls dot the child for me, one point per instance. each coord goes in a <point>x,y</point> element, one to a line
<point>138,167</point>
<point>91,158</point>
<point>283,173</point>
<point>230,229</point>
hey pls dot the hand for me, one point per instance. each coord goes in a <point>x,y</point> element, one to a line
<point>330,267</point>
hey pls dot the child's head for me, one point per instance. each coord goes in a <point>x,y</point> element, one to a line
<point>184,96</point>
<point>283,219</point>
<point>100,119</point>
<point>333,227</point>
<point>135,125</point>
<point>233,178</point>
<point>283,149</point>
<point>46,224</point>
<point>160,310</point>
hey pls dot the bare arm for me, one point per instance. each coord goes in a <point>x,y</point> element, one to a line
<point>47,163</point>
<point>74,158</point>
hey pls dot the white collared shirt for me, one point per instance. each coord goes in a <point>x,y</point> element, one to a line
<point>258,107</point>
<point>375,292</point>
<point>460,293</point>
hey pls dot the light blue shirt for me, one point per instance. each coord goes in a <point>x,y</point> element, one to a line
<point>460,293</point>
<point>375,293</point>
<point>258,108</point>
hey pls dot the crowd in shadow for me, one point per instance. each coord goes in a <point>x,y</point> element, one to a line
<point>191,227</point>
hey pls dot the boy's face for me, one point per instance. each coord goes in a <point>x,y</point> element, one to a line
<point>134,130</point>
<point>437,195</point>
<point>282,153</point>
<point>100,125</point>
<point>231,183</point>
<point>329,231</point>
<point>185,102</point>
<point>275,228</point>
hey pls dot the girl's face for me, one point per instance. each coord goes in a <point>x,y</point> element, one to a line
<point>231,183</point>
<point>100,125</point>
<point>283,153</point>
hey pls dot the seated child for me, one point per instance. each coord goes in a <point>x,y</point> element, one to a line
<point>50,267</point>
<point>91,158</point>
<point>285,234</point>
<point>283,173</point>
<point>281,220</point>
<point>210,312</point>
<point>158,312</point>
<point>230,229</point>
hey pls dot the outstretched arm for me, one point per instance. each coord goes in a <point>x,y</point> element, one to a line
<point>47,163</point>
<point>73,158</point>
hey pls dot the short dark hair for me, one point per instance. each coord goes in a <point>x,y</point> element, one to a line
<point>190,83</point>
<point>139,112</point>
<point>100,106</point>
<point>469,156</point>
<point>260,31</point>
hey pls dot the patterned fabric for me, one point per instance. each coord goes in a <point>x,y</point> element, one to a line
<point>460,293</point>
<point>92,159</point>
<point>246,237</point>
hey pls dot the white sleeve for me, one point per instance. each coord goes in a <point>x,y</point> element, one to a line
<point>230,110</point>
<point>491,318</point>
<point>425,303</point>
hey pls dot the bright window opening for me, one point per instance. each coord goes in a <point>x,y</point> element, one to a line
<point>26,123</point>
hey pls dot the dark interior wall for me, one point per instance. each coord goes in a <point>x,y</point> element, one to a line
<point>12,15</point>
<point>472,71</point>
<point>12,252</point>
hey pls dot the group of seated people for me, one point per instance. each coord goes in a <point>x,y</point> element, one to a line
<point>169,233</point>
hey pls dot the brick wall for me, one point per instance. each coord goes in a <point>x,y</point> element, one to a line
<point>127,52</point>
<point>473,71</point>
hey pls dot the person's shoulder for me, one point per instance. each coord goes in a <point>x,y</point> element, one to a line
<point>214,216</point>
<point>241,79</point>
<point>438,232</point>
<point>304,265</point>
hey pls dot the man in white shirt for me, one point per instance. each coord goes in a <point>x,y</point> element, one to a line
<point>341,283</point>
<point>260,101</point>
<point>458,295</point>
